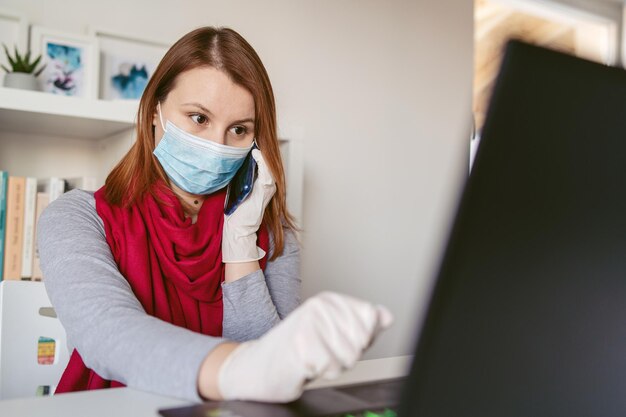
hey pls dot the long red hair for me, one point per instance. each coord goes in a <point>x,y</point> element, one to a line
<point>225,50</point>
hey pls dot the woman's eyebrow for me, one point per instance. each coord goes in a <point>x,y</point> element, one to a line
<point>249,120</point>
<point>200,106</point>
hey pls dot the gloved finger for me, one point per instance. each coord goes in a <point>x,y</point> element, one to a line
<point>346,345</point>
<point>365,316</point>
<point>364,323</point>
<point>332,372</point>
<point>265,176</point>
<point>348,350</point>
<point>385,320</point>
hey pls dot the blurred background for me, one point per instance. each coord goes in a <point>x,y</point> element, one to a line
<point>378,102</point>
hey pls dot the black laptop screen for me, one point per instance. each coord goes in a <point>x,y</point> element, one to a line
<point>528,316</point>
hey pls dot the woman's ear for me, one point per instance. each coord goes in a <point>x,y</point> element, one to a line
<point>155,114</point>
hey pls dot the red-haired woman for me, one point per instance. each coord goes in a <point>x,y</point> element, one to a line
<point>156,287</point>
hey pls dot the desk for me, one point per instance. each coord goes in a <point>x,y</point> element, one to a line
<point>129,402</point>
<point>112,402</point>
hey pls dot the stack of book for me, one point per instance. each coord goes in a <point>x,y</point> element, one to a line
<point>22,199</point>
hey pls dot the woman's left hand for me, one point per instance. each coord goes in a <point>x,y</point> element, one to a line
<point>239,234</point>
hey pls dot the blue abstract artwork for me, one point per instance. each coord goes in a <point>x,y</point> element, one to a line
<point>65,71</point>
<point>128,79</point>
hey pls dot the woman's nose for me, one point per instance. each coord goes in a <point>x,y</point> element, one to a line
<point>216,134</point>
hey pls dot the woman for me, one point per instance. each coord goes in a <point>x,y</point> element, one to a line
<point>158,289</point>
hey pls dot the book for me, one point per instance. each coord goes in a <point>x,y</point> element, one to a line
<point>14,235</point>
<point>54,186</point>
<point>4,177</point>
<point>30,200</point>
<point>42,202</point>
<point>34,195</point>
<point>81,183</point>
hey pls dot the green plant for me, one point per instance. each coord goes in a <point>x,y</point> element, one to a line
<point>22,63</point>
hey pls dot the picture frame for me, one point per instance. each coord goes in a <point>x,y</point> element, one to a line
<point>126,62</point>
<point>13,33</point>
<point>71,62</point>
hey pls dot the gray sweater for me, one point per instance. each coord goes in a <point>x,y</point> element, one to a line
<point>110,329</point>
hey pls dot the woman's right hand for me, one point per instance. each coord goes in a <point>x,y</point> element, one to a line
<point>323,337</point>
<point>240,228</point>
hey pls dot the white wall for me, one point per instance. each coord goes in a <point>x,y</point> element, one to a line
<point>381,93</point>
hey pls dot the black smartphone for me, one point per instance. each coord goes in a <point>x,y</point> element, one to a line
<point>241,185</point>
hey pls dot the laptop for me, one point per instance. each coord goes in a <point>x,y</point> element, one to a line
<point>528,313</point>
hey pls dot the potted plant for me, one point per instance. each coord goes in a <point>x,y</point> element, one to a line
<point>22,73</point>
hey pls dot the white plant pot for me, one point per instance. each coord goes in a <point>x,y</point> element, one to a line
<point>21,80</point>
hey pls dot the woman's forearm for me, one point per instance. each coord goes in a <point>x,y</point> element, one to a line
<point>256,302</point>
<point>234,271</point>
<point>208,383</point>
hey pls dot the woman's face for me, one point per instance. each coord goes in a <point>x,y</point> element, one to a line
<point>207,104</point>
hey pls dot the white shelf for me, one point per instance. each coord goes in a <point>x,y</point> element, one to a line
<point>36,112</point>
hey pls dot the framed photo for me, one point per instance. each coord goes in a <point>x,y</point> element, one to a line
<point>126,63</point>
<point>13,33</point>
<point>71,62</point>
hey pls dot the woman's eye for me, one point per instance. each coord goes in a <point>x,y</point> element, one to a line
<point>239,130</point>
<point>200,118</point>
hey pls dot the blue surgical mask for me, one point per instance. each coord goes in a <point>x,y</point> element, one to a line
<point>194,164</point>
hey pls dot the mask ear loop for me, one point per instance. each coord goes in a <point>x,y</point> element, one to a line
<point>255,143</point>
<point>161,119</point>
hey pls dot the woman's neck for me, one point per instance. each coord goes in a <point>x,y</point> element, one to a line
<point>191,202</point>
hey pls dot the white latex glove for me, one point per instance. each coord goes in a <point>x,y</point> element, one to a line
<point>326,335</point>
<point>239,233</point>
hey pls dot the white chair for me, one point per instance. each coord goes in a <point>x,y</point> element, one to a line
<point>26,314</point>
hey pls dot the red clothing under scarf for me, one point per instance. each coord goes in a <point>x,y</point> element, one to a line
<point>174,267</point>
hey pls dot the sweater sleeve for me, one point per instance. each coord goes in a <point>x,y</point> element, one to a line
<point>258,301</point>
<point>102,317</point>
